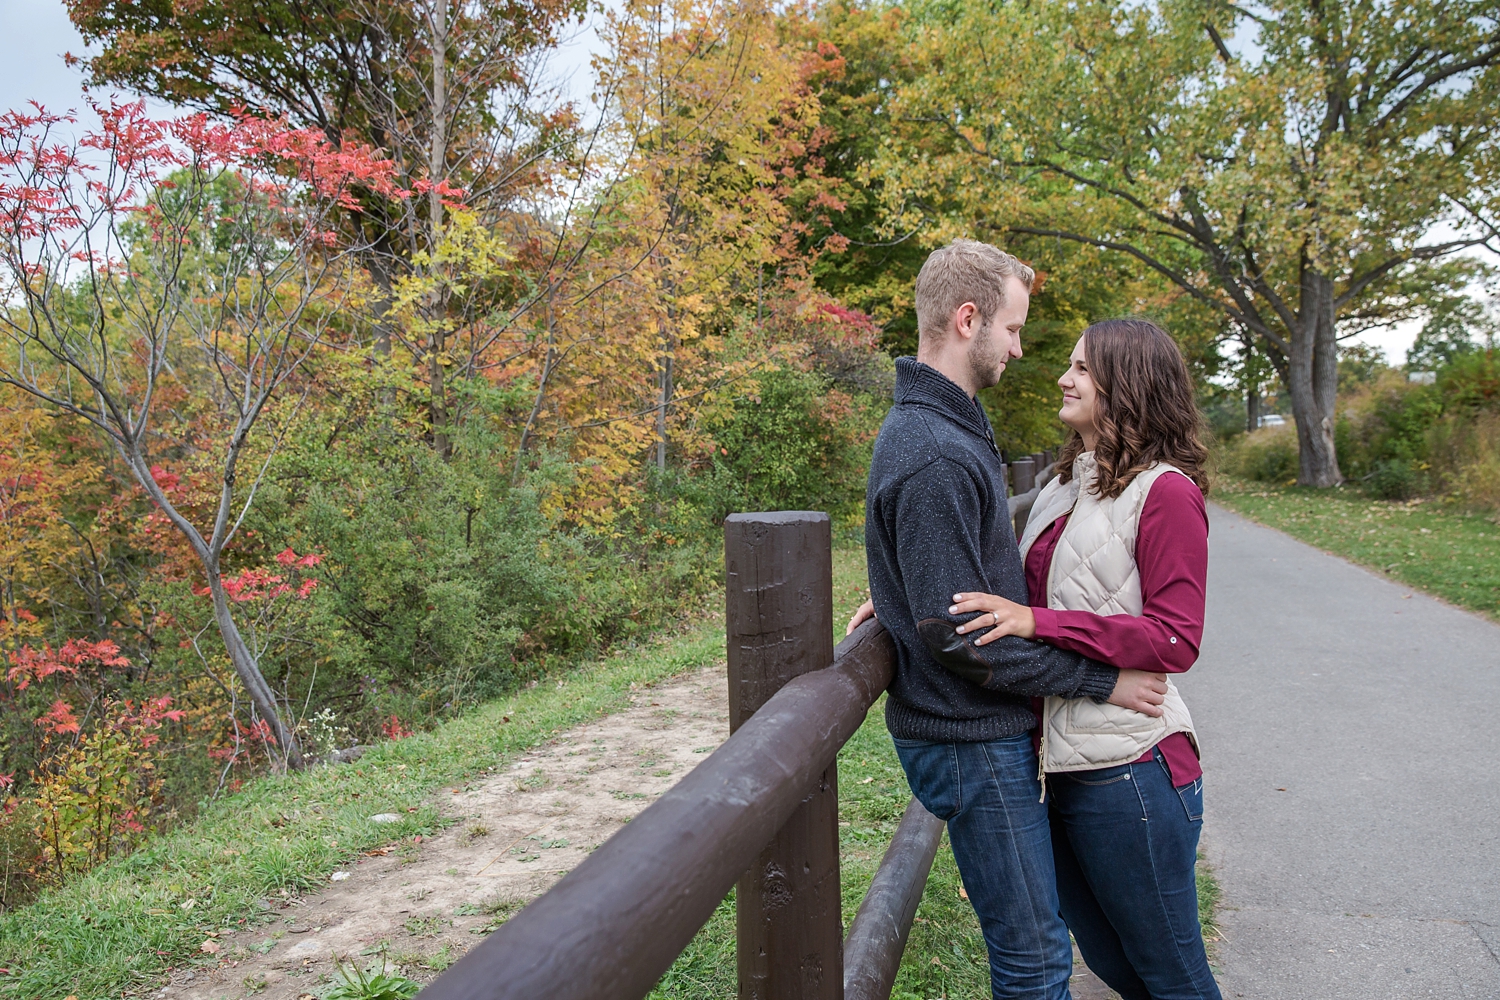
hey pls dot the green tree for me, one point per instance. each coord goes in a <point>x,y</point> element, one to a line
<point>1287,165</point>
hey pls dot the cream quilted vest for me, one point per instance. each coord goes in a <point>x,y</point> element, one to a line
<point>1093,569</point>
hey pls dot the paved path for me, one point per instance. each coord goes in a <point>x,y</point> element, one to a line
<point>1351,733</point>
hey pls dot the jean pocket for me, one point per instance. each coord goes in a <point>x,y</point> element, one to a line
<point>932,773</point>
<point>1103,776</point>
<point>1191,795</point>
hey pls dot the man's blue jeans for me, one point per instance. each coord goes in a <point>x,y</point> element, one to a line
<point>989,795</point>
<point>1125,842</point>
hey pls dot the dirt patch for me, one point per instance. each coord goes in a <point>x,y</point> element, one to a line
<point>421,906</point>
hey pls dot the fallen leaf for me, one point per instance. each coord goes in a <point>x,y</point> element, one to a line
<point>963,893</point>
<point>211,946</point>
<point>865,781</point>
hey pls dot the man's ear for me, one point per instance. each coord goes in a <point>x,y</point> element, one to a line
<point>965,317</point>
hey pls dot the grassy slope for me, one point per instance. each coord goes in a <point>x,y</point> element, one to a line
<point>1425,544</point>
<point>113,931</point>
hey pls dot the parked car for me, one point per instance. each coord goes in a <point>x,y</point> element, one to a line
<point>1272,420</point>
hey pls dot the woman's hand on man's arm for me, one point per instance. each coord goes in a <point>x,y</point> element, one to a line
<point>1003,617</point>
<point>1140,690</point>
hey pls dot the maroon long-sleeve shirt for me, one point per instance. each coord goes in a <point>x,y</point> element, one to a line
<point>1171,552</point>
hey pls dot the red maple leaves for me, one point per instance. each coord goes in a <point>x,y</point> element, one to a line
<point>29,664</point>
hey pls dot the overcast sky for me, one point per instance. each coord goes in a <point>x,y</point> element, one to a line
<point>34,35</point>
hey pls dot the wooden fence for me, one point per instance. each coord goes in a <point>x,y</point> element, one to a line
<point>760,813</point>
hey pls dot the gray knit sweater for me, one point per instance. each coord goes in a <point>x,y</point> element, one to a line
<point>937,523</point>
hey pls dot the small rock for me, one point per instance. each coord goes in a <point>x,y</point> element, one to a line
<point>189,976</point>
<point>310,948</point>
<point>348,755</point>
<point>298,930</point>
<point>339,876</point>
<point>385,818</point>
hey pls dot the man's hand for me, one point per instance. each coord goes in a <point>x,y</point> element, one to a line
<point>1140,690</point>
<point>866,610</point>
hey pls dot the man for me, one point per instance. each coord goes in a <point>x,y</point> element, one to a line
<point>937,523</point>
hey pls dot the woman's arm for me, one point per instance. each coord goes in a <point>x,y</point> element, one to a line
<point>1172,557</point>
<point>1171,552</point>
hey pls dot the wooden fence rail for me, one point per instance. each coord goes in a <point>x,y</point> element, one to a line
<point>761,810</point>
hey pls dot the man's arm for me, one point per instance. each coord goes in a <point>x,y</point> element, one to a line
<point>938,550</point>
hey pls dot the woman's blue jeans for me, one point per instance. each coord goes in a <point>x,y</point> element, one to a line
<point>1124,842</point>
<point>989,795</point>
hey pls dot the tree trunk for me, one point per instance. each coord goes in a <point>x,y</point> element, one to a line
<point>437,172</point>
<point>1313,383</point>
<point>249,673</point>
<point>548,360</point>
<point>663,400</point>
<point>1252,407</point>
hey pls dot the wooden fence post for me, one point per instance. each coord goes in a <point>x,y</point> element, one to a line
<point>779,624</point>
<point>1022,474</point>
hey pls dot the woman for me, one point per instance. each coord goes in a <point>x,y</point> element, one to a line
<point>1116,556</point>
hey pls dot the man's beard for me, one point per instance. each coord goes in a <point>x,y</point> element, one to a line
<point>985,362</point>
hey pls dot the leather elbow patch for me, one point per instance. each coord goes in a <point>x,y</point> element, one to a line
<point>953,651</point>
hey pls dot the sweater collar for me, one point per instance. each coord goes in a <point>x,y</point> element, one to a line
<point>922,385</point>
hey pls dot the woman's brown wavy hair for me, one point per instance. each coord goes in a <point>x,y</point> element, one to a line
<point>1145,410</point>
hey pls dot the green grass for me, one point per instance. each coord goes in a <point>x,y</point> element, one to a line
<point>1208,906</point>
<point>1432,545</point>
<point>114,931</point>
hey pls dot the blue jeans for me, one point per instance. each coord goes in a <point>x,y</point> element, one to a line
<point>988,794</point>
<point>1125,842</point>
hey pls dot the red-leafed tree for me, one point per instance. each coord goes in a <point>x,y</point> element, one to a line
<point>148,248</point>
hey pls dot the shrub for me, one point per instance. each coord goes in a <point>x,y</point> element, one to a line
<point>1465,449</point>
<point>1394,479</point>
<point>793,441</point>
<point>1471,383</point>
<point>1267,455</point>
<point>1384,423</point>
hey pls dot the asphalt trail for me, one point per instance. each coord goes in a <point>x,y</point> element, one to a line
<point>1351,750</point>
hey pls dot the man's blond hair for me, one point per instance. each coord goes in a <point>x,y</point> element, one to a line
<point>964,271</point>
